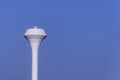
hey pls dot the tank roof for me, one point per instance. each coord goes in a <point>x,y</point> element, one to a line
<point>35,31</point>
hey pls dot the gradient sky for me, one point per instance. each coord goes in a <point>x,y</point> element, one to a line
<point>83,40</point>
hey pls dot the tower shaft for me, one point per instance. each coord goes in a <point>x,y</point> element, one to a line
<point>35,46</point>
<point>34,65</point>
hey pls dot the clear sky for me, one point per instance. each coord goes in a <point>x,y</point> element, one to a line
<point>83,40</point>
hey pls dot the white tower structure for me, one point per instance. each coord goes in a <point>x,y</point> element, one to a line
<point>35,36</point>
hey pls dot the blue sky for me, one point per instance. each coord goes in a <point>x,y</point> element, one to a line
<point>83,40</point>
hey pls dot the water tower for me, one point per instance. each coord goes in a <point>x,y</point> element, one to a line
<point>35,36</point>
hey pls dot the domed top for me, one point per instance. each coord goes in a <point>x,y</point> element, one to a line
<point>35,27</point>
<point>35,31</point>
